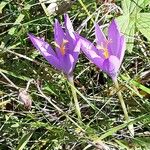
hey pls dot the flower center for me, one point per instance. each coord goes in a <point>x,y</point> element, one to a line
<point>62,46</point>
<point>104,48</point>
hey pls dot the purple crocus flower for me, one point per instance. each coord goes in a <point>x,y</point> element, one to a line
<point>108,52</point>
<point>67,47</point>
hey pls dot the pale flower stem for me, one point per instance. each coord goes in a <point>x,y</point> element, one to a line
<point>130,126</point>
<point>121,101</point>
<point>74,94</point>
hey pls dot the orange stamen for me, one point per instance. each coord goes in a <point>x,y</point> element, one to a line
<point>104,48</point>
<point>106,54</point>
<point>62,47</point>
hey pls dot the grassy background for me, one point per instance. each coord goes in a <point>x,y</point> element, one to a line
<point>44,126</point>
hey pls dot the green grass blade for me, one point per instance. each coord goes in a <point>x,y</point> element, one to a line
<point>18,20</point>
<point>2,5</point>
<point>15,75</point>
<point>111,131</point>
<point>24,140</point>
<point>137,84</point>
<point>86,10</point>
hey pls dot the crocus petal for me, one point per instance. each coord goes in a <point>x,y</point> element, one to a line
<point>100,37</point>
<point>77,46</point>
<point>54,61</point>
<point>59,36</point>
<point>88,48</point>
<point>70,44</point>
<point>69,34</point>
<point>114,36</point>
<point>41,45</point>
<point>122,48</point>
<point>68,64</point>
<point>91,52</point>
<point>111,66</point>
<point>76,51</point>
<point>68,27</point>
<point>45,50</point>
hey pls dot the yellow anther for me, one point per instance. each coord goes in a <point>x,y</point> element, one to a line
<point>106,54</point>
<point>62,46</point>
<point>104,48</point>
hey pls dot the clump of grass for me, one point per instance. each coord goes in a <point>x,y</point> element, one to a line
<point>51,122</point>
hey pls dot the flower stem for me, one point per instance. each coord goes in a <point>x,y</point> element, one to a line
<point>74,94</point>
<point>130,126</point>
